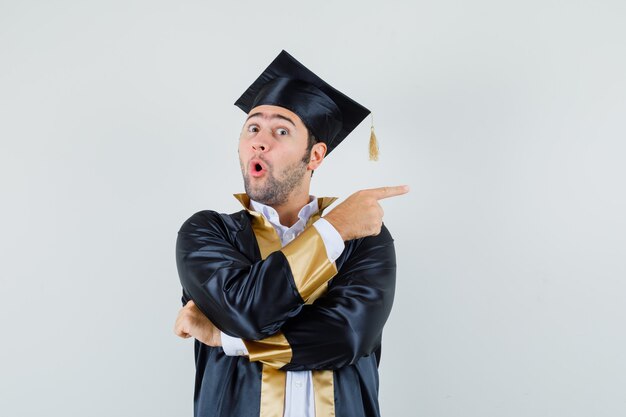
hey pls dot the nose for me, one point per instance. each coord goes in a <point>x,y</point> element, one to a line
<point>259,147</point>
<point>260,143</point>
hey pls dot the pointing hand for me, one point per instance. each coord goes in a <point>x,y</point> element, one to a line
<point>360,214</point>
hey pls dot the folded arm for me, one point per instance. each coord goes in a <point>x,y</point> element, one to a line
<point>247,299</point>
<point>343,325</point>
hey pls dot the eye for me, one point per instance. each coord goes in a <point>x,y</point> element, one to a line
<point>282,131</point>
<point>253,128</point>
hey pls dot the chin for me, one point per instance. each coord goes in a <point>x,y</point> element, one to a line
<point>256,193</point>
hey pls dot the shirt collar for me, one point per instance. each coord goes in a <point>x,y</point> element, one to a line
<point>244,200</point>
<point>270,214</point>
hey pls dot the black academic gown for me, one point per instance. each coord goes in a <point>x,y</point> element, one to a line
<point>294,309</point>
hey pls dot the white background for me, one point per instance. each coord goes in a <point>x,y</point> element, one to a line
<point>507,119</point>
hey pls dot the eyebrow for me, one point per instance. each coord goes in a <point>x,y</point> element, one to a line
<point>271,116</point>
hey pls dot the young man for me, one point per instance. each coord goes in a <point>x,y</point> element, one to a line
<point>287,307</point>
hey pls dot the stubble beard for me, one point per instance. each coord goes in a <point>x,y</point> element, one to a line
<point>276,191</point>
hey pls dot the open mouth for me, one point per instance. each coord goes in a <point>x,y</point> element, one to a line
<point>257,168</point>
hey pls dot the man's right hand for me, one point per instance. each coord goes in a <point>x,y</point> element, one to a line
<point>360,214</point>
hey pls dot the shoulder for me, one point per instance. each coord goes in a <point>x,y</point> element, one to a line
<point>384,235</point>
<point>208,221</point>
<point>383,238</point>
<point>370,260</point>
<point>378,249</point>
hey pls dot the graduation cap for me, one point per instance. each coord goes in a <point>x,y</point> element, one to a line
<point>328,113</point>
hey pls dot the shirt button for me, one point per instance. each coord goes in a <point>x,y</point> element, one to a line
<point>298,384</point>
<point>240,353</point>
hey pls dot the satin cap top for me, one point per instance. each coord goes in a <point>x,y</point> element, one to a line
<point>328,113</point>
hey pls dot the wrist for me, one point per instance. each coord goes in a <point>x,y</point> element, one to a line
<point>337,224</point>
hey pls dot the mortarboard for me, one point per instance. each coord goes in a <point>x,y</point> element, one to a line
<point>328,113</point>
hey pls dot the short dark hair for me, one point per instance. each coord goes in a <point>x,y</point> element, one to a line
<point>311,140</point>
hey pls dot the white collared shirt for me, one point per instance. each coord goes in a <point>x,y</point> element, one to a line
<point>299,394</point>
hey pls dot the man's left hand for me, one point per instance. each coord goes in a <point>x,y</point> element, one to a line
<point>191,322</point>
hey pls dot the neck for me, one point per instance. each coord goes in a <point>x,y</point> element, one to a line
<point>288,212</point>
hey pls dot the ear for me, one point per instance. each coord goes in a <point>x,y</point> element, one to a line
<point>317,155</point>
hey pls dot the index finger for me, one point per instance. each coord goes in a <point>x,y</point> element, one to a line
<point>386,192</point>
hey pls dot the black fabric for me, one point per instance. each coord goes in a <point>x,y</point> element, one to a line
<point>325,111</point>
<point>347,322</point>
<point>220,268</point>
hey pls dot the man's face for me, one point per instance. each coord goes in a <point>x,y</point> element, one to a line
<point>273,154</point>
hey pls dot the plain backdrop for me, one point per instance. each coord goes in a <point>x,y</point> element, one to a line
<point>506,118</point>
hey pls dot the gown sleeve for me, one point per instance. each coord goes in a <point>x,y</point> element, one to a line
<point>246,299</point>
<point>344,324</point>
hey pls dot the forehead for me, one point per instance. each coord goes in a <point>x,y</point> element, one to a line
<point>267,111</point>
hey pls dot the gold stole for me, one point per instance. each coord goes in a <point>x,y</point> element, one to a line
<point>273,381</point>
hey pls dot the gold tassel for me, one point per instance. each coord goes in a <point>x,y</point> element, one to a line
<point>373,143</point>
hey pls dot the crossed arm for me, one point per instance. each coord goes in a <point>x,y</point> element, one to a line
<point>263,302</point>
<point>246,299</point>
<point>344,324</point>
